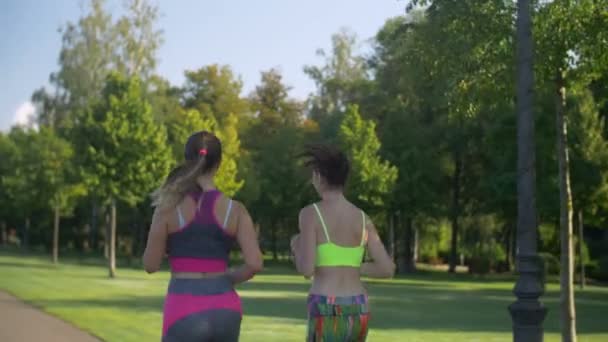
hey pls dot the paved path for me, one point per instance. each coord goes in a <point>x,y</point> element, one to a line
<point>20,322</point>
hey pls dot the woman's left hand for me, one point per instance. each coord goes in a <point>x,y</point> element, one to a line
<point>294,242</point>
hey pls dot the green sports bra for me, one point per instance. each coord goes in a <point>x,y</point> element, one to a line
<point>330,254</point>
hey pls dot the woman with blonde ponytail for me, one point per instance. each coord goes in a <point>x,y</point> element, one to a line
<point>196,225</point>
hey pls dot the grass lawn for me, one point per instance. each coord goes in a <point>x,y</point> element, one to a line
<point>427,307</point>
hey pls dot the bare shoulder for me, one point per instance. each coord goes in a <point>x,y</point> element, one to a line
<point>306,215</point>
<point>307,211</point>
<point>239,208</point>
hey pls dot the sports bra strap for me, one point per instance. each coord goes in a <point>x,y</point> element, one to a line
<point>364,231</point>
<point>322,221</point>
<point>227,213</point>
<point>180,217</point>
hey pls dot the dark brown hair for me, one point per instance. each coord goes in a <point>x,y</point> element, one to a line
<point>202,154</point>
<point>330,162</point>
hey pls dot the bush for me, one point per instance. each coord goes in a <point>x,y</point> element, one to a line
<point>480,264</point>
<point>435,261</point>
<point>486,258</point>
<point>599,269</point>
<point>550,263</point>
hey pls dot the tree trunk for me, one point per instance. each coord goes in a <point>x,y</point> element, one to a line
<point>391,236</point>
<point>527,312</point>
<point>94,231</point>
<point>26,234</point>
<point>568,318</point>
<point>416,243</point>
<point>3,235</point>
<point>581,241</point>
<point>400,253</point>
<point>508,245</point>
<point>106,235</point>
<point>408,244</point>
<point>112,238</point>
<point>56,236</point>
<point>455,214</point>
<point>273,232</point>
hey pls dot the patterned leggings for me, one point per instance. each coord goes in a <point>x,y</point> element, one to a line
<point>333,319</point>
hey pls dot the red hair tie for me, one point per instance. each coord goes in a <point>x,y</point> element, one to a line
<point>202,152</point>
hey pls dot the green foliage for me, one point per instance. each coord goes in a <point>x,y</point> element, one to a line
<point>93,47</point>
<point>215,91</point>
<point>339,82</point>
<point>8,155</point>
<point>272,105</point>
<point>182,123</point>
<point>551,263</point>
<point>121,149</point>
<point>372,178</point>
<point>227,180</point>
<point>599,269</point>
<point>434,240</point>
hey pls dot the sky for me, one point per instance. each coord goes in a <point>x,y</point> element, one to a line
<point>250,36</point>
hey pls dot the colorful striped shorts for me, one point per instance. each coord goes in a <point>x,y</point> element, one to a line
<point>342,319</point>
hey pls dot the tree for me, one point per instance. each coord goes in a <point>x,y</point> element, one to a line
<point>20,183</point>
<point>451,47</point>
<point>589,165</point>
<point>51,158</point>
<point>90,49</point>
<point>271,103</point>
<point>8,152</point>
<point>272,143</point>
<point>568,32</point>
<point>339,82</point>
<point>408,136</point>
<point>372,178</point>
<point>227,178</point>
<point>121,149</point>
<point>139,39</point>
<point>215,91</point>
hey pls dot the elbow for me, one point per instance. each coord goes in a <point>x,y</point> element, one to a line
<point>151,270</point>
<point>389,272</point>
<point>256,266</point>
<point>306,271</point>
<point>150,267</point>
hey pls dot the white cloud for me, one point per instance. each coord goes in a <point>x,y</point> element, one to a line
<point>25,114</point>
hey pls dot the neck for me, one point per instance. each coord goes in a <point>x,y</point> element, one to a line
<point>332,195</point>
<point>206,183</point>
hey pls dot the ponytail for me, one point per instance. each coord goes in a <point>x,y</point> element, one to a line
<point>180,181</point>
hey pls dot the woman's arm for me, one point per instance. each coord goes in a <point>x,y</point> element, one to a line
<point>250,248</point>
<point>157,241</point>
<point>303,245</point>
<point>382,265</point>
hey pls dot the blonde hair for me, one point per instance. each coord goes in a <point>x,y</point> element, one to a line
<point>181,181</point>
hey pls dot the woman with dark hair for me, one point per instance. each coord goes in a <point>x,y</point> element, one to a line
<point>333,237</point>
<point>196,225</point>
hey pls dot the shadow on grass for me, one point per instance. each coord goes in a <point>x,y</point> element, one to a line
<point>27,265</point>
<point>433,304</point>
<point>421,309</point>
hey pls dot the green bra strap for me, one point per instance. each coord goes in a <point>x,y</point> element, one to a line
<point>322,221</point>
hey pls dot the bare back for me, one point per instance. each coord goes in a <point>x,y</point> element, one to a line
<point>345,228</point>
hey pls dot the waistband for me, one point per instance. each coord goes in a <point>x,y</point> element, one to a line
<point>201,286</point>
<point>320,305</point>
